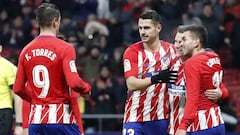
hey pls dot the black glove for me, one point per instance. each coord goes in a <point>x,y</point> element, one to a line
<point>164,76</point>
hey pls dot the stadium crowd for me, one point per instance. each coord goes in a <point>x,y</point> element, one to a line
<point>100,30</point>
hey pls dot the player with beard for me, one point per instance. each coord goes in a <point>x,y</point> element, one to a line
<point>177,91</point>
<point>146,69</point>
<point>47,64</point>
<point>202,71</point>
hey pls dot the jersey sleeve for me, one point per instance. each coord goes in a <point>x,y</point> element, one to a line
<point>74,103</point>
<point>224,90</point>
<point>192,76</point>
<point>130,63</point>
<point>20,86</point>
<point>71,74</point>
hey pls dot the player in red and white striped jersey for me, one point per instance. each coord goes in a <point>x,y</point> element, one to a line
<point>146,71</point>
<point>177,91</point>
<point>74,104</point>
<point>48,65</point>
<point>202,71</point>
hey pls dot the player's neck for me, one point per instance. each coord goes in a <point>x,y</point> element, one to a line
<point>197,51</point>
<point>48,32</point>
<point>153,47</point>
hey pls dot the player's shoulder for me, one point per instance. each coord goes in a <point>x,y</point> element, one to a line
<point>61,43</point>
<point>206,55</point>
<point>135,47</point>
<point>166,45</point>
<point>51,42</point>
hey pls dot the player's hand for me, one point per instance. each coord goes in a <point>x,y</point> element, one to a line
<point>164,76</point>
<point>18,130</point>
<point>213,94</point>
<point>88,89</point>
<point>181,132</point>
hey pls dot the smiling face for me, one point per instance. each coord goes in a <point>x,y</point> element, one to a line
<point>148,31</point>
<point>178,44</point>
<point>188,44</point>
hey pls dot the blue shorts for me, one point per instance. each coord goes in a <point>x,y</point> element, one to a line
<point>219,130</point>
<point>54,129</point>
<point>146,128</point>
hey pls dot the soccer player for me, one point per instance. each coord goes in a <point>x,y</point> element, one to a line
<point>202,71</point>
<point>177,91</point>
<point>146,69</point>
<point>74,104</point>
<point>47,64</point>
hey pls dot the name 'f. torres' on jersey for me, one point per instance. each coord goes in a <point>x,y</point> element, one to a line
<point>151,103</point>
<point>47,65</point>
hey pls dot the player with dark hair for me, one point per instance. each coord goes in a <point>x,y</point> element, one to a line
<point>202,71</point>
<point>47,64</point>
<point>177,91</point>
<point>146,69</point>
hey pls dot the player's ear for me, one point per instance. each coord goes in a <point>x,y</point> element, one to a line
<point>159,27</point>
<point>55,22</point>
<point>197,43</point>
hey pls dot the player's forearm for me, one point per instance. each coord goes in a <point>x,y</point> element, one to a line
<point>18,107</point>
<point>134,83</point>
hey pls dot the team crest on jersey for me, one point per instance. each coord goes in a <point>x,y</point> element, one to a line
<point>165,62</point>
<point>72,66</point>
<point>127,65</point>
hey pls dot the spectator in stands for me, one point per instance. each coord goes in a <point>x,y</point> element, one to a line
<point>115,28</point>
<point>104,93</point>
<point>81,9</point>
<point>212,24</point>
<point>235,43</point>
<point>90,72</point>
<point>94,30</point>
<point>103,9</point>
<point>130,12</point>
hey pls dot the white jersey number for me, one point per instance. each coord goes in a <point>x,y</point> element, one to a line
<point>128,131</point>
<point>217,78</point>
<point>41,79</point>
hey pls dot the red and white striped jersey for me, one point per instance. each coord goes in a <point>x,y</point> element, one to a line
<point>206,119</point>
<point>202,72</point>
<point>46,70</point>
<point>151,103</point>
<point>51,114</point>
<point>177,98</point>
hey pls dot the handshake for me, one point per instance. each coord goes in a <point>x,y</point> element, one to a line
<point>164,76</point>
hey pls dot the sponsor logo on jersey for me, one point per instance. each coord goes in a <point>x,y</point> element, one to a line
<point>177,90</point>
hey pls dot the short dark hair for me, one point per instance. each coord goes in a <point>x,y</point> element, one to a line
<point>151,14</point>
<point>197,31</point>
<point>46,12</point>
